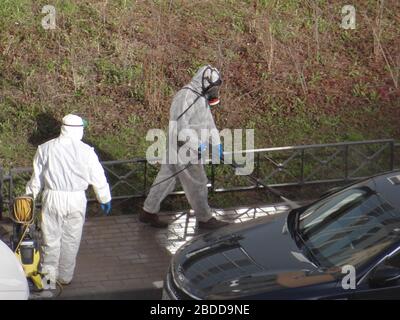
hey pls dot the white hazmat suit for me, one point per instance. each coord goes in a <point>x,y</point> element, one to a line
<point>64,167</point>
<point>190,109</point>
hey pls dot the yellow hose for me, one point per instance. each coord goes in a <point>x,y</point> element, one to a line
<point>23,214</point>
<point>23,210</point>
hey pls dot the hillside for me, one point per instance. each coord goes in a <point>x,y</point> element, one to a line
<point>290,71</point>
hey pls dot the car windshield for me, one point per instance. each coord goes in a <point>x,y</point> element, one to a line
<point>349,228</point>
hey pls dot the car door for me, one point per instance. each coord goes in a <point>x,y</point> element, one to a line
<point>391,290</point>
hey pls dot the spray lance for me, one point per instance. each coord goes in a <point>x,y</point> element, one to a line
<point>292,204</point>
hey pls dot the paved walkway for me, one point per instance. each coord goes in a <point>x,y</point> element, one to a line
<point>121,258</point>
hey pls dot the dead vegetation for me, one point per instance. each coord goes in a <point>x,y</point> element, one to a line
<point>289,70</point>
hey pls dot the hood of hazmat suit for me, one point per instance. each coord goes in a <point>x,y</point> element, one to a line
<point>72,127</point>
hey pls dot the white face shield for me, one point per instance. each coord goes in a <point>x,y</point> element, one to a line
<point>72,127</point>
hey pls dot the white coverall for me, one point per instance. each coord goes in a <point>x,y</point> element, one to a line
<point>193,179</point>
<point>64,167</point>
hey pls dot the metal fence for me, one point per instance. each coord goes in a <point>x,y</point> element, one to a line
<point>277,167</point>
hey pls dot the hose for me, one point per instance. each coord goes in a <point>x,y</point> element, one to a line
<point>23,210</point>
<point>23,214</point>
<point>22,238</point>
<point>170,177</point>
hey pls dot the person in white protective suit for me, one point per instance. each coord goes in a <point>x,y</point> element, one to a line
<point>190,109</point>
<point>63,168</point>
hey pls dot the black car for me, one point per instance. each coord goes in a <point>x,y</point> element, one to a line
<point>346,245</point>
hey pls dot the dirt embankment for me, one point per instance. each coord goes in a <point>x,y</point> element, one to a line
<point>290,71</point>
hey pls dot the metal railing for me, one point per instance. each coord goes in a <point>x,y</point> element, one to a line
<point>277,167</point>
<point>320,163</point>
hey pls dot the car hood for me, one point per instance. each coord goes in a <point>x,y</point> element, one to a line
<point>13,283</point>
<point>242,260</point>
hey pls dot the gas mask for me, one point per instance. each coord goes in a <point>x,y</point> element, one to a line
<point>211,82</point>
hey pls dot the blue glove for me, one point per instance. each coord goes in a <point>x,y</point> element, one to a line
<point>106,207</point>
<point>203,147</point>
<point>221,151</point>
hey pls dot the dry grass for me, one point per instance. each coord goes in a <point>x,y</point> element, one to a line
<point>289,70</point>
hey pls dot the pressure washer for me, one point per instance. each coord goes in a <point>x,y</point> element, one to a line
<point>24,239</point>
<point>25,242</point>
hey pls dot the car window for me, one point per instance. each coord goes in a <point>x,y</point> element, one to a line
<point>394,261</point>
<point>314,216</point>
<point>349,227</point>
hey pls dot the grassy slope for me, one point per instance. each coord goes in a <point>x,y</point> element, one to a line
<point>118,63</point>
